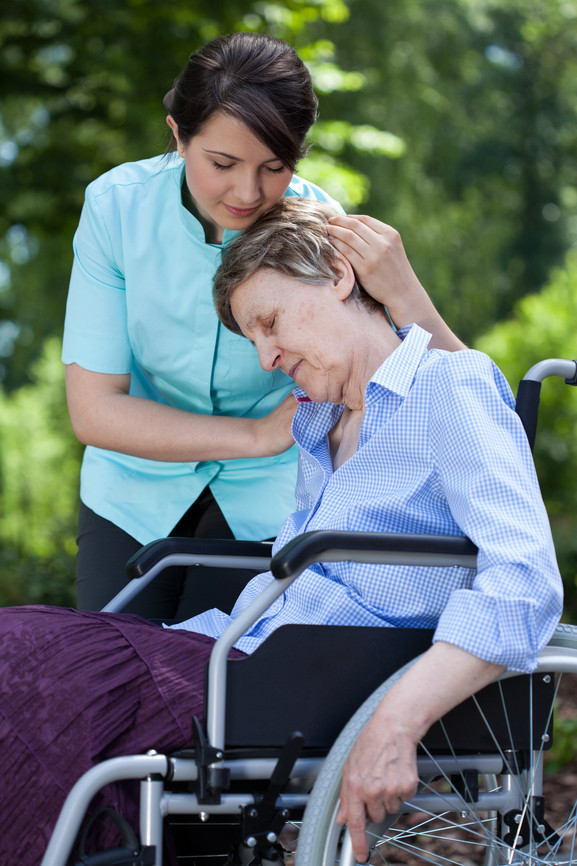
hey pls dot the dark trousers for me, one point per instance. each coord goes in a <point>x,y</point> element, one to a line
<point>177,593</point>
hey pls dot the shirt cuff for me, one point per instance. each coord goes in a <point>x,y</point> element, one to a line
<point>496,629</point>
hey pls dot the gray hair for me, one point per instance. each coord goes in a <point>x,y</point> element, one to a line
<point>290,238</point>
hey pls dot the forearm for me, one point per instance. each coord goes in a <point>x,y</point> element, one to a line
<point>443,677</point>
<point>143,428</point>
<point>105,415</point>
<point>416,306</point>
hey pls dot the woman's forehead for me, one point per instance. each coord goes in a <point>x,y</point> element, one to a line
<point>249,300</point>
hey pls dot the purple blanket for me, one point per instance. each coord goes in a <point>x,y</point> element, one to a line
<point>77,688</point>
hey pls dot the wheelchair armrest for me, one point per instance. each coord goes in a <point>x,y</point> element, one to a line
<point>149,556</point>
<point>388,548</point>
<point>150,560</point>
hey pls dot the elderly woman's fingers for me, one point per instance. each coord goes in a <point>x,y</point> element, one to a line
<point>379,774</point>
<point>353,813</point>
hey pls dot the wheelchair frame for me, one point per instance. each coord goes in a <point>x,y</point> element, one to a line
<point>506,820</point>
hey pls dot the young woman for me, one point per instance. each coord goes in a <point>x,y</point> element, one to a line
<point>185,434</point>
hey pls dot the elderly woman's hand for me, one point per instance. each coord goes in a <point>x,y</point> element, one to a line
<point>381,770</point>
<point>376,252</point>
<point>380,774</point>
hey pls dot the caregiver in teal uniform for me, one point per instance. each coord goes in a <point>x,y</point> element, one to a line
<point>182,428</point>
<point>185,434</point>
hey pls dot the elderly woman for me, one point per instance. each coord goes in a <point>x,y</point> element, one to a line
<point>393,436</point>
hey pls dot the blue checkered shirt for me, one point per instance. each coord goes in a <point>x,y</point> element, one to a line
<point>441,450</point>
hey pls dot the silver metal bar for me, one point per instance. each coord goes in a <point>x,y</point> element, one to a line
<point>151,817</point>
<point>132,589</point>
<point>551,367</point>
<point>187,804</point>
<point>185,770</point>
<point>78,800</point>
<point>449,765</point>
<point>436,803</point>
<point>216,703</point>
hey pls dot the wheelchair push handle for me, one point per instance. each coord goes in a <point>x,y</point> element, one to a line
<point>529,391</point>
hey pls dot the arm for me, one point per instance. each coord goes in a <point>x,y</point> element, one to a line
<point>381,771</point>
<point>376,252</point>
<point>104,414</point>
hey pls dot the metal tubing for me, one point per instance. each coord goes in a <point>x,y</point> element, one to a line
<point>78,800</point>
<point>551,367</point>
<point>151,815</point>
<point>187,804</point>
<point>216,703</point>
<point>436,803</point>
<point>185,770</point>
<point>132,589</point>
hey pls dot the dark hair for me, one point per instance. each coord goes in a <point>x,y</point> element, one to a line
<point>290,238</point>
<point>255,78</point>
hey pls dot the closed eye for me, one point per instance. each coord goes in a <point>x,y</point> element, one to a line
<point>220,166</point>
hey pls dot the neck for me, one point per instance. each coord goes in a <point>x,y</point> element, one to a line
<point>375,342</point>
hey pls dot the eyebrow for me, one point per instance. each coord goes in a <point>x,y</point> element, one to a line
<point>237,158</point>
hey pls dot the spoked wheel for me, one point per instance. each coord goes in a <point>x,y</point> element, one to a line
<point>498,807</point>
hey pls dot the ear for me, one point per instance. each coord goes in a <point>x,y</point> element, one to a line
<point>345,283</point>
<point>174,127</point>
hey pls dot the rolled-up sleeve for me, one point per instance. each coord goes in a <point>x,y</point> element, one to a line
<point>95,329</point>
<point>487,474</point>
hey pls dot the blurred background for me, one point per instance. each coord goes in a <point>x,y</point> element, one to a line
<point>453,120</point>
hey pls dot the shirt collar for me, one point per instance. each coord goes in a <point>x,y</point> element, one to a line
<point>397,372</point>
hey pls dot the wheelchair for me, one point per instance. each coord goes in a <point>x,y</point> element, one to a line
<point>280,723</point>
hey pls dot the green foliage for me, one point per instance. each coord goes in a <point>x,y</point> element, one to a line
<point>39,470</point>
<point>564,749</point>
<point>481,93</point>
<point>543,326</point>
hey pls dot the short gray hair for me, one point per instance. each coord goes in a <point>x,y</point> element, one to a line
<point>290,238</point>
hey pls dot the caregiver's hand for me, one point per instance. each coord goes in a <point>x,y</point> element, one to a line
<point>376,252</point>
<point>273,431</point>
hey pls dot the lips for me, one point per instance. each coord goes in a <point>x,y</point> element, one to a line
<point>241,211</point>
<point>293,369</point>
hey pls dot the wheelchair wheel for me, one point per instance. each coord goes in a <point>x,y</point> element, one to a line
<point>515,806</point>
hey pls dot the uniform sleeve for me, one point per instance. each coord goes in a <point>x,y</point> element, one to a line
<point>95,328</point>
<point>487,474</point>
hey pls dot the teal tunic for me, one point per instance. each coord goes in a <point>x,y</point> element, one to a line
<point>140,302</point>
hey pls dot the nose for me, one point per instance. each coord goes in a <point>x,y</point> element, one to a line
<point>247,188</point>
<point>268,355</point>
